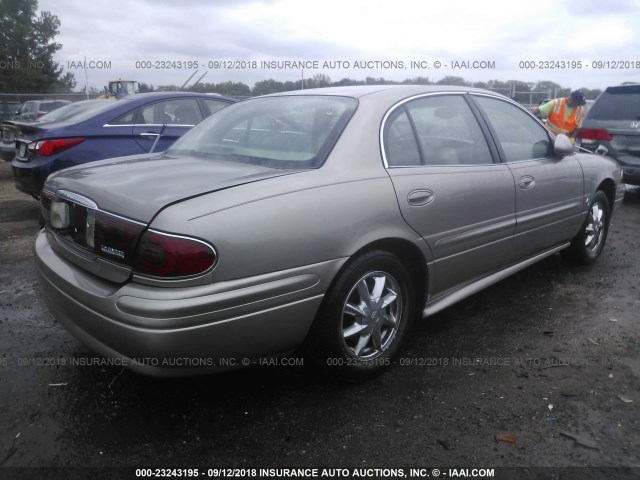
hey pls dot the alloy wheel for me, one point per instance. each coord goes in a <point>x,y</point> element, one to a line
<point>371,315</point>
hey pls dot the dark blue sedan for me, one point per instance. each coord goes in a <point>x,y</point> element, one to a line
<point>132,125</point>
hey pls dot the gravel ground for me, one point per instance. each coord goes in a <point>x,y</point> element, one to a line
<point>540,370</point>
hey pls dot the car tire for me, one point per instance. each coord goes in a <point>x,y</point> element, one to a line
<point>588,244</point>
<point>364,317</point>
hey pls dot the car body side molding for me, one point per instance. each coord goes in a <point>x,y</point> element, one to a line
<point>484,282</point>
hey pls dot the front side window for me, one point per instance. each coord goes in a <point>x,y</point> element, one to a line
<point>279,132</point>
<point>519,135</point>
<point>435,130</point>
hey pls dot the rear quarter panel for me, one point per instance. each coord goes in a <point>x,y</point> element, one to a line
<point>303,218</point>
<point>269,226</point>
<point>601,173</point>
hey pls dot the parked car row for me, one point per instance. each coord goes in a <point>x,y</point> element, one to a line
<point>95,129</point>
<point>9,127</point>
<point>612,128</point>
<point>326,219</point>
<point>34,109</point>
<point>8,109</point>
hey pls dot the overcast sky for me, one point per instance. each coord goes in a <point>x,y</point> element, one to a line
<point>246,34</point>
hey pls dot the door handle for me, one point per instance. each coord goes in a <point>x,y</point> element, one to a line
<point>420,197</point>
<point>527,182</point>
<point>149,134</point>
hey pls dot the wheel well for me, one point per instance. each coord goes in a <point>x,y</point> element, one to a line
<point>609,189</point>
<point>412,259</point>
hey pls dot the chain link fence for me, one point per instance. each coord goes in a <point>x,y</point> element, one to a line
<point>23,97</point>
<point>528,98</point>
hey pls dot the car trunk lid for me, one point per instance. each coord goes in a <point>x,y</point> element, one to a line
<point>97,213</point>
<point>139,186</point>
<point>26,133</point>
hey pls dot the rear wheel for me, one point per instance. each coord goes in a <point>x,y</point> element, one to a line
<point>588,244</point>
<point>364,317</point>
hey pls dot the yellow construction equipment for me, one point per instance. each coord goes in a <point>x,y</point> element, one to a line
<point>119,88</point>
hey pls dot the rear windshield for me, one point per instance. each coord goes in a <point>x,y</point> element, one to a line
<point>91,109</point>
<point>68,111</point>
<point>617,103</point>
<point>278,132</point>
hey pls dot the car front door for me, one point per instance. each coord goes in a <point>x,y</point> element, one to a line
<point>549,189</point>
<point>449,189</point>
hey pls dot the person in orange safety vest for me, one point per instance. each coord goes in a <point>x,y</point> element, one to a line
<point>564,115</point>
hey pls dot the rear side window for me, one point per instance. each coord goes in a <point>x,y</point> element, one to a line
<point>182,111</point>
<point>126,118</point>
<point>400,145</point>
<point>617,103</point>
<point>435,130</point>
<point>215,105</point>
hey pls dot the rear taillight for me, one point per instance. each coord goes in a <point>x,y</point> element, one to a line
<point>172,256</point>
<point>593,134</point>
<point>51,147</point>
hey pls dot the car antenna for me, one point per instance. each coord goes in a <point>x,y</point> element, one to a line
<point>153,147</point>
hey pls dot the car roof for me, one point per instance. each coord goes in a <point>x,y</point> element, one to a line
<point>161,95</point>
<point>100,112</point>
<point>387,91</point>
<point>48,101</point>
<point>631,88</point>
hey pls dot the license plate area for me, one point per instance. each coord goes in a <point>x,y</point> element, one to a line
<point>73,222</point>
<point>8,135</point>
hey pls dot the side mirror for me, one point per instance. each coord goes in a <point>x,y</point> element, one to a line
<point>562,145</point>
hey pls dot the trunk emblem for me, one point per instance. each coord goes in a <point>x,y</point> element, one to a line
<point>112,251</point>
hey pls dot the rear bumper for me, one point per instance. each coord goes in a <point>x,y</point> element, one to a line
<point>28,180</point>
<point>184,331</point>
<point>630,164</point>
<point>7,151</point>
<point>631,175</point>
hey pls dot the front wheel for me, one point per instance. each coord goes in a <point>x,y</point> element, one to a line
<point>364,317</point>
<point>588,244</point>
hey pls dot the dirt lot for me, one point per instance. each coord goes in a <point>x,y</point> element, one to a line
<point>550,356</point>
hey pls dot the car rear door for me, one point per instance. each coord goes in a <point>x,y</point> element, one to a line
<point>178,114</point>
<point>449,188</point>
<point>549,189</point>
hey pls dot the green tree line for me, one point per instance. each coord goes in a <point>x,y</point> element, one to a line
<point>26,50</point>
<point>27,46</point>
<point>521,91</point>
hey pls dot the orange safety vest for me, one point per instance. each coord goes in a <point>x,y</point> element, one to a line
<point>556,122</point>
